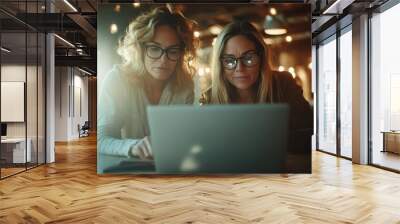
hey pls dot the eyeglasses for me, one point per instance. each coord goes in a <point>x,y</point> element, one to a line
<point>156,52</point>
<point>249,59</point>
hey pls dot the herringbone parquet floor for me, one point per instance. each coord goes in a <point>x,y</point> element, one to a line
<point>70,191</point>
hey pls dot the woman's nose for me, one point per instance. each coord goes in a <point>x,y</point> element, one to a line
<point>239,66</point>
<point>164,57</point>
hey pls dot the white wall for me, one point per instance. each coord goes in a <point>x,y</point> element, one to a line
<point>12,73</point>
<point>33,127</point>
<point>61,103</point>
<point>81,84</point>
<point>70,83</point>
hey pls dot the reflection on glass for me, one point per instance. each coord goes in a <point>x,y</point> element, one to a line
<point>346,94</point>
<point>385,87</point>
<point>190,163</point>
<point>327,96</point>
<point>14,148</point>
<point>41,99</point>
<point>31,101</point>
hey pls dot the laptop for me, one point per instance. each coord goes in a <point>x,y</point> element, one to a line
<point>219,138</point>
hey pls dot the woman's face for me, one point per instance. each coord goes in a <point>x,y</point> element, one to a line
<point>162,53</point>
<point>240,62</point>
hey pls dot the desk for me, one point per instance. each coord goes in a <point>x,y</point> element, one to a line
<point>13,150</point>
<point>391,141</point>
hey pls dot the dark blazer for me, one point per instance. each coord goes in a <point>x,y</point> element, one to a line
<point>285,90</point>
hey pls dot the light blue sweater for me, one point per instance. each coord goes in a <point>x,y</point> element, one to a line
<point>122,117</point>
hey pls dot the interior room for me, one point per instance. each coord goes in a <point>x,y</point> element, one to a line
<point>345,65</point>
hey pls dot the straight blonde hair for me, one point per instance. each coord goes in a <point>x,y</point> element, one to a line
<point>222,91</point>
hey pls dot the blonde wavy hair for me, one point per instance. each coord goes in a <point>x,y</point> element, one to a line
<point>142,29</point>
<point>222,92</point>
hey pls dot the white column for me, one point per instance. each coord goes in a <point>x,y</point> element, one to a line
<point>360,90</point>
<point>50,92</point>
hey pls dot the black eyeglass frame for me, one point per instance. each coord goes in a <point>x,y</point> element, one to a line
<point>236,60</point>
<point>164,51</point>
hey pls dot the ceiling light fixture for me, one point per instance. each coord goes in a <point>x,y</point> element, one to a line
<point>64,40</point>
<point>70,5</point>
<point>274,25</point>
<point>337,7</point>
<point>84,71</point>
<point>5,50</point>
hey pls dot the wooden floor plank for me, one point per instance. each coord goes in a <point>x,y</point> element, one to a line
<point>70,191</point>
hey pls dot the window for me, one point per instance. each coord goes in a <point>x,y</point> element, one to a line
<point>346,93</point>
<point>327,95</point>
<point>385,88</point>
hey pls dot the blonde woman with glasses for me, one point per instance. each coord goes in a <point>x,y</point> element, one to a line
<point>241,75</point>
<point>156,51</point>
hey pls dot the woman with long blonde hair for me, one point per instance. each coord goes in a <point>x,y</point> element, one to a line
<point>241,74</point>
<point>156,51</point>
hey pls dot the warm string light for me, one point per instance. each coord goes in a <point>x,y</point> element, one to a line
<point>272,11</point>
<point>292,71</point>
<point>113,28</point>
<point>117,8</point>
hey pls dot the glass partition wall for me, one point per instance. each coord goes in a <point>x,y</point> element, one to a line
<point>22,88</point>
<point>334,95</point>
<point>345,92</point>
<point>383,92</point>
<point>385,89</point>
<point>327,95</point>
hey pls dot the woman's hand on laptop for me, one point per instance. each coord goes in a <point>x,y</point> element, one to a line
<point>142,149</point>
